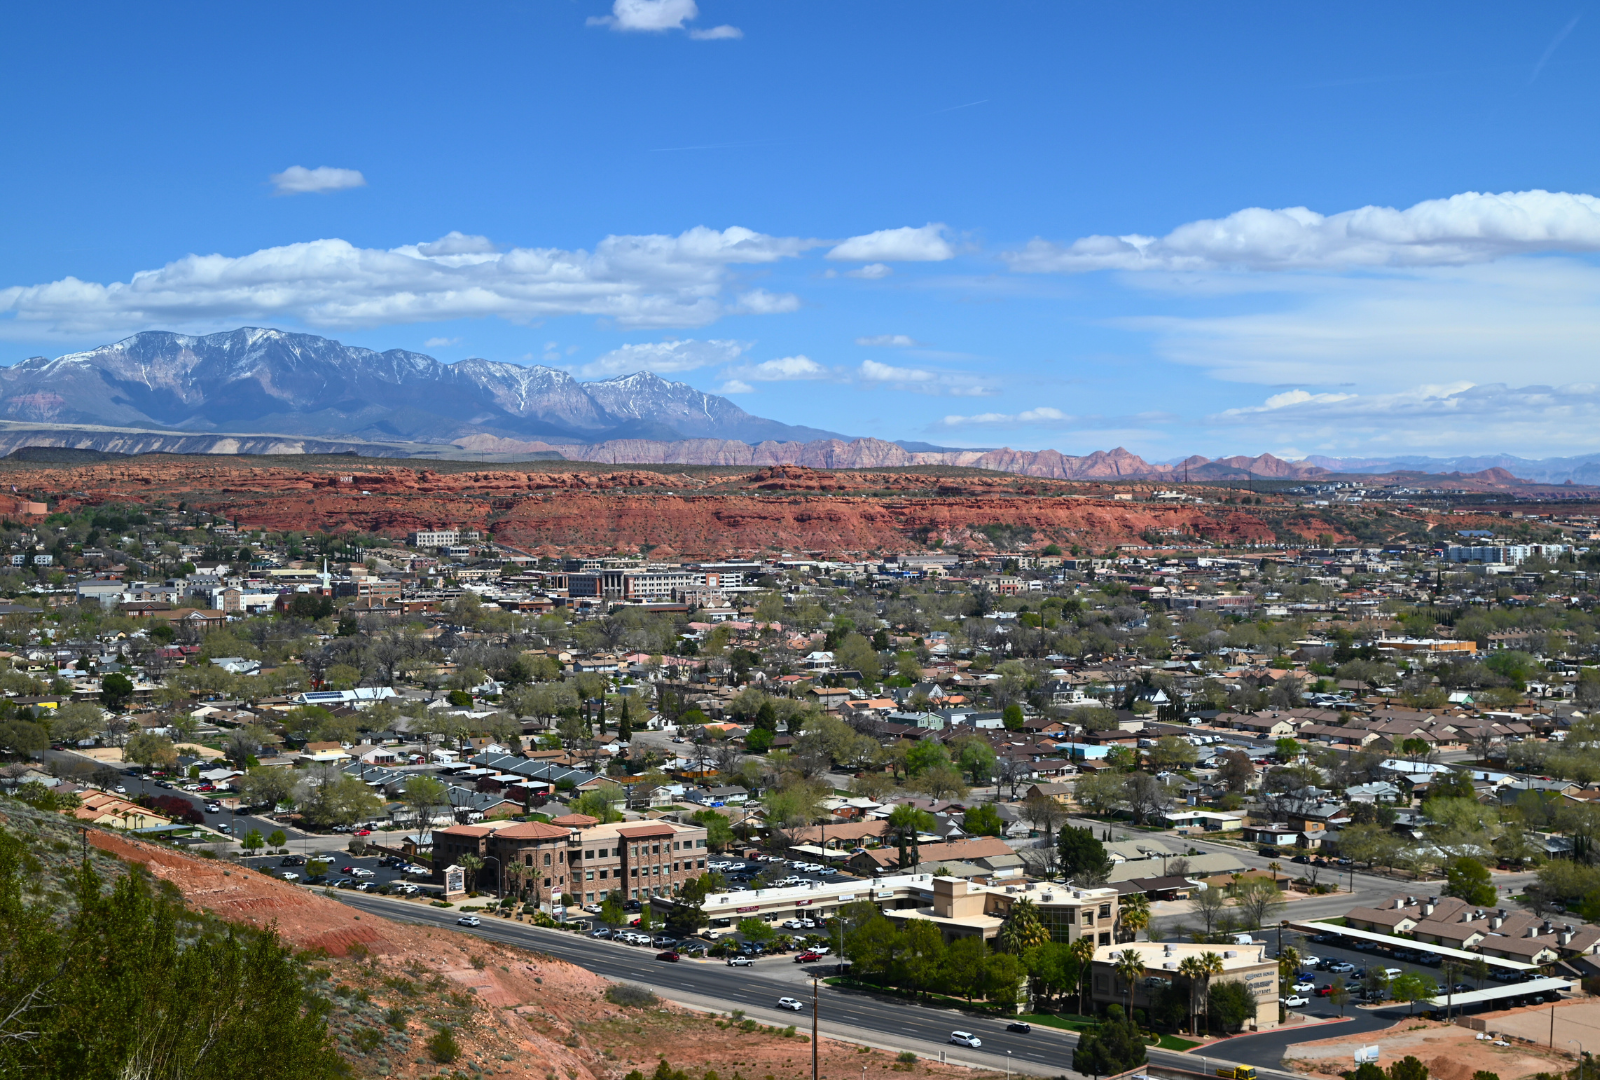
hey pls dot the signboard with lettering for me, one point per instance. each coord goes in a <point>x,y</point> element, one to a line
<point>753,907</point>
<point>1366,1054</point>
<point>455,880</point>
<point>802,903</point>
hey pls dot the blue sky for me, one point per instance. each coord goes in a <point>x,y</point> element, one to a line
<point>879,219</point>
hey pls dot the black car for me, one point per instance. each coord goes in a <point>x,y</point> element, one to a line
<point>293,860</point>
<point>1018,1025</point>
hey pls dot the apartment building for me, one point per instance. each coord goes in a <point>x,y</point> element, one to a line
<point>575,860</point>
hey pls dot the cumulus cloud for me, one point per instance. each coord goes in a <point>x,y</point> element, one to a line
<point>663,357</point>
<point>440,342</point>
<point>299,180</point>
<point>872,371</point>
<point>734,386</point>
<point>1468,228</point>
<point>784,369</point>
<point>1044,414</point>
<point>871,271</point>
<point>887,341</point>
<point>639,281</point>
<point>659,16</point>
<point>926,244</point>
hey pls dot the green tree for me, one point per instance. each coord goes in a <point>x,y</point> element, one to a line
<point>1111,1047</point>
<point>329,797</point>
<point>688,910</point>
<point>926,754</point>
<point>855,653</point>
<point>116,690</point>
<point>151,751</point>
<point>719,831</point>
<point>982,820</point>
<point>906,824</point>
<point>1022,931</point>
<point>1408,1068</point>
<point>975,758</point>
<point>277,838</point>
<point>266,786</point>
<point>1011,716</point>
<point>1082,858</point>
<point>132,983</point>
<point>603,803</point>
<point>1412,987</point>
<point>252,842</point>
<point>1230,1005</point>
<point>1468,879</point>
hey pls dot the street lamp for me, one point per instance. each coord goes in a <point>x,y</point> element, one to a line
<point>1580,1056</point>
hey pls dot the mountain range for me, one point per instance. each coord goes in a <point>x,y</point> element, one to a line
<point>255,381</point>
<point>256,390</point>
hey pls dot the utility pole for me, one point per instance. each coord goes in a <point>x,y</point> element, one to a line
<point>815,1010</point>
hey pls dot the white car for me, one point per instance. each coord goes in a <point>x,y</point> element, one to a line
<point>362,872</point>
<point>1310,961</point>
<point>289,877</point>
<point>791,1003</point>
<point>419,871</point>
<point>965,1038</point>
<point>1303,987</point>
<point>740,961</point>
<point>409,890</point>
<point>1295,1001</point>
<point>467,920</point>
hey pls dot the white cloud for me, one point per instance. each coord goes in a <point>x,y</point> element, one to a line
<point>734,386</point>
<point>440,342</point>
<point>1467,228</point>
<point>639,281</point>
<point>926,244</point>
<point>1044,414</point>
<point>299,180</point>
<point>458,243</point>
<point>1460,417</point>
<point>872,371</point>
<point>663,357</point>
<point>659,16</point>
<point>887,341</point>
<point>871,271</point>
<point>1395,329</point>
<point>784,369</point>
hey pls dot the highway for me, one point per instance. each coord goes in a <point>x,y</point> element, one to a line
<point>845,1014</point>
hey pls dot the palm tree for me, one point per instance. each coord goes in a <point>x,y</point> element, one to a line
<point>1022,931</point>
<point>1129,966</point>
<point>1274,866</point>
<point>1082,951</point>
<point>471,864</point>
<point>1133,916</point>
<point>1212,965</point>
<point>1193,969</point>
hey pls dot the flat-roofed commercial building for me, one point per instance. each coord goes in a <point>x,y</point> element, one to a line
<point>1247,964</point>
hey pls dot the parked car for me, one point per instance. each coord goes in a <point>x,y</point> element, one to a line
<point>467,920</point>
<point>1311,961</point>
<point>1295,1001</point>
<point>292,860</point>
<point>1463,988</point>
<point>1324,991</point>
<point>808,957</point>
<point>791,1003</point>
<point>1019,1026</point>
<point>600,933</point>
<point>965,1038</point>
<point>213,808</point>
<point>1303,987</point>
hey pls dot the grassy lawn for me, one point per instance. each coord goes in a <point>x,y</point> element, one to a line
<point>1172,1042</point>
<point>1068,1022</point>
<point>934,999</point>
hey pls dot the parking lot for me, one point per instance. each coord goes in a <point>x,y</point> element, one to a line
<point>344,870</point>
<point>1341,953</point>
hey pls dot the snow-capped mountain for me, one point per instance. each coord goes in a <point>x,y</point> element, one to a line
<point>257,380</point>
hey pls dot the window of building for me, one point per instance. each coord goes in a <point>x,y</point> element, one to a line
<point>527,860</point>
<point>602,875</point>
<point>1105,911</point>
<point>1088,918</point>
<point>547,858</point>
<point>589,876</point>
<point>1105,939</point>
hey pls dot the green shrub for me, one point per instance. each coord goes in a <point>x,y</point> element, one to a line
<point>631,996</point>
<point>443,1045</point>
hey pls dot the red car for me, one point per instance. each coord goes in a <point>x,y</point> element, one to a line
<point>669,956</point>
<point>807,956</point>
<point>1323,991</point>
<point>363,832</point>
<point>347,869</point>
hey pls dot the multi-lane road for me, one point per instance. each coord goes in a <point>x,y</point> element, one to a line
<point>885,1022</point>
